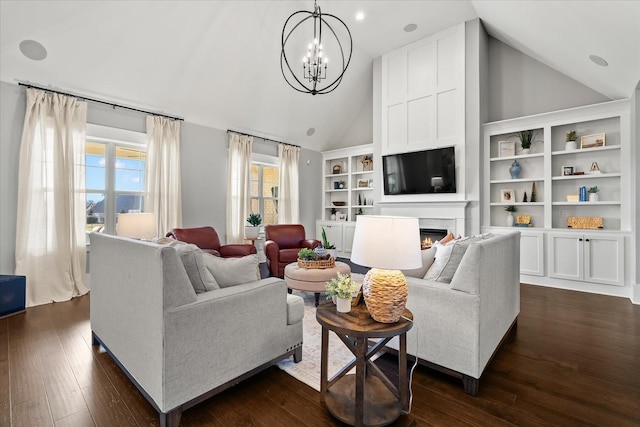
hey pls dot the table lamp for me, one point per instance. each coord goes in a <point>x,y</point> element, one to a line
<point>387,244</point>
<point>137,225</point>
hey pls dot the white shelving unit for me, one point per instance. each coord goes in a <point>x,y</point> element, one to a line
<point>551,253</point>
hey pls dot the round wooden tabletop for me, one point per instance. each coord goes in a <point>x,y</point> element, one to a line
<point>359,323</point>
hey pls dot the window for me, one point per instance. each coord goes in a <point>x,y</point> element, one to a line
<point>264,188</point>
<point>115,173</point>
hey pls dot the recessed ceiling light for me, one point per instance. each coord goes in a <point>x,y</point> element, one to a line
<point>311,131</point>
<point>359,16</point>
<point>410,27</point>
<point>598,60</point>
<point>33,50</point>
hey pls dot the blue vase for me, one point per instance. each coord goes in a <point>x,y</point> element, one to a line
<point>514,170</point>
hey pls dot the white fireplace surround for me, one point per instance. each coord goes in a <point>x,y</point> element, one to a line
<point>446,215</point>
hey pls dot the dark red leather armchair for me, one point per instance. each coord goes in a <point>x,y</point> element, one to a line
<point>283,242</point>
<point>206,238</point>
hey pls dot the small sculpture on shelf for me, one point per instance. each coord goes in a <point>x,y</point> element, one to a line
<point>337,168</point>
<point>367,163</point>
<point>524,199</point>
<point>533,193</point>
<point>359,200</point>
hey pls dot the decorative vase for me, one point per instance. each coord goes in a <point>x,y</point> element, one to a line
<point>332,252</point>
<point>343,305</point>
<point>510,219</point>
<point>571,145</point>
<point>593,197</point>
<point>333,217</point>
<point>251,232</point>
<point>514,170</point>
<point>526,150</point>
<point>385,293</point>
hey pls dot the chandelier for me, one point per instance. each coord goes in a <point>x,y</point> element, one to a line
<point>315,68</point>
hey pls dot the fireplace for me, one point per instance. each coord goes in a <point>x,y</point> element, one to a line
<point>428,236</point>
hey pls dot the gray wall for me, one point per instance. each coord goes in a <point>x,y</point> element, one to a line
<point>520,86</point>
<point>203,169</point>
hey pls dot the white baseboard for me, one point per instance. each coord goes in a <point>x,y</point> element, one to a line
<point>635,294</point>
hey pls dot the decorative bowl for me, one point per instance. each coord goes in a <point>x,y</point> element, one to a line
<point>339,203</point>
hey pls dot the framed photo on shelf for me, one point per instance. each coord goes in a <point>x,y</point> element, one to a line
<point>567,170</point>
<point>593,140</point>
<point>363,183</point>
<point>506,148</point>
<point>507,196</point>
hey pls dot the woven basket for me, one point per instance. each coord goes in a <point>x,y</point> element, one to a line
<point>385,293</point>
<point>321,263</point>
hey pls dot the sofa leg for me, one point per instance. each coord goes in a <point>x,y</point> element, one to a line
<point>94,339</point>
<point>171,419</point>
<point>470,385</point>
<point>317,295</point>
<point>297,354</point>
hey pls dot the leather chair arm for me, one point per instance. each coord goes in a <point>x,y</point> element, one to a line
<point>310,243</point>
<point>234,250</point>
<point>272,250</point>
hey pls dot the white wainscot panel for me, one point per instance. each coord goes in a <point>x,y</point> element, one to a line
<point>421,71</point>
<point>447,114</point>
<point>396,126</point>
<point>448,66</point>
<point>397,78</point>
<point>420,126</point>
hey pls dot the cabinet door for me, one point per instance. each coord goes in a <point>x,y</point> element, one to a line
<point>334,234</point>
<point>532,253</point>
<point>348,230</point>
<point>566,256</point>
<point>604,257</point>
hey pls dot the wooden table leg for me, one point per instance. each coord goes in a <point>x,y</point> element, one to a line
<point>361,352</point>
<point>402,373</point>
<point>324,358</point>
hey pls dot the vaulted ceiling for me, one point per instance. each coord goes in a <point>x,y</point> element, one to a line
<point>217,63</point>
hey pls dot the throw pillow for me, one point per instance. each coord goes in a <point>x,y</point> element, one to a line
<point>446,239</point>
<point>428,256</point>
<point>233,271</point>
<point>194,261</point>
<point>443,252</point>
<point>457,252</point>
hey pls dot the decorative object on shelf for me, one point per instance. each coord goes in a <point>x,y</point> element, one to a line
<point>337,168</point>
<point>329,247</point>
<point>364,201</point>
<point>591,141</point>
<point>506,149</point>
<point>583,194</point>
<point>367,163</point>
<point>523,220</point>
<point>336,185</point>
<point>515,170</point>
<point>593,193</point>
<point>534,194</point>
<point>385,287</point>
<point>342,216</point>
<point>342,185</point>
<point>314,63</point>
<point>573,197</point>
<point>363,183</point>
<point>589,222</point>
<point>524,199</point>
<point>571,138</point>
<point>567,170</point>
<point>252,231</point>
<point>595,169</point>
<point>338,203</point>
<point>526,139</point>
<point>507,196</point>
<point>510,209</point>
<point>333,214</point>
<point>359,199</point>
<point>343,288</point>
<point>359,211</point>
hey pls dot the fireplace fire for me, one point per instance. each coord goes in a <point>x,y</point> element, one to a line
<point>430,235</point>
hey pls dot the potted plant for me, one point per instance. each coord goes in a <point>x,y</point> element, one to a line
<point>307,254</point>
<point>342,288</point>
<point>570,139</point>
<point>252,231</point>
<point>593,193</point>
<point>526,139</point>
<point>333,214</point>
<point>330,248</point>
<point>510,209</point>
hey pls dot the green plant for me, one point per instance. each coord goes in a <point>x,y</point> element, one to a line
<point>593,189</point>
<point>307,254</point>
<point>325,242</point>
<point>333,211</point>
<point>341,286</point>
<point>511,208</point>
<point>526,138</point>
<point>254,219</point>
<point>571,136</point>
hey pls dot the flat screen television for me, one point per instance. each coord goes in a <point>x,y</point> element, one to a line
<point>420,172</point>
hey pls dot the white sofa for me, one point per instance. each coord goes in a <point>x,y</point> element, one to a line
<point>178,347</point>
<point>458,326</point>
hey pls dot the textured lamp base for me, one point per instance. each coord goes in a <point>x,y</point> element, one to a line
<point>385,293</point>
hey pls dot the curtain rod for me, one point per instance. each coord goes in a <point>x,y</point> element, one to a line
<point>263,138</point>
<point>84,98</point>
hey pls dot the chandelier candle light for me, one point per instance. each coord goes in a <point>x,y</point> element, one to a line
<point>314,63</point>
<point>387,244</point>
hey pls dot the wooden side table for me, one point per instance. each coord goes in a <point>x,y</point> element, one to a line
<point>377,400</point>
<point>253,240</point>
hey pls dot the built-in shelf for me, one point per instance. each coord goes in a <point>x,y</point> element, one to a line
<point>506,181</point>
<point>586,176</point>
<point>518,157</point>
<point>585,150</point>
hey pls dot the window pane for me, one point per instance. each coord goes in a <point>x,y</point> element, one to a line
<point>254,181</point>
<point>95,176</point>
<point>269,181</point>
<point>255,206</point>
<point>127,203</point>
<point>95,211</point>
<point>270,212</point>
<point>130,164</point>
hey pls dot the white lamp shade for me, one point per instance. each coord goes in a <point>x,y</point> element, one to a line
<point>387,242</point>
<point>137,225</point>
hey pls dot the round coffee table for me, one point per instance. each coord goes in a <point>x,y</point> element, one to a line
<point>312,279</point>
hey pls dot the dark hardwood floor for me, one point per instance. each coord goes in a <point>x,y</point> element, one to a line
<point>574,360</point>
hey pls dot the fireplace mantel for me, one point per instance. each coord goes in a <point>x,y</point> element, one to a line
<point>449,214</point>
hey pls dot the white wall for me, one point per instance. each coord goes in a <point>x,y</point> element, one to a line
<point>635,178</point>
<point>203,167</point>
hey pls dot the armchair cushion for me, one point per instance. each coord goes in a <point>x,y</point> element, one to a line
<point>233,271</point>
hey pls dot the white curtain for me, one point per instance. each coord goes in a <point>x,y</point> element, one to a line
<point>50,230</point>
<point>163,191</point>
<point>239,186</point>
<point>288,196</point>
